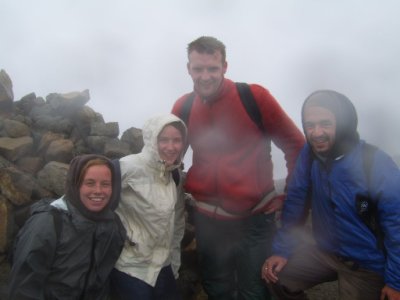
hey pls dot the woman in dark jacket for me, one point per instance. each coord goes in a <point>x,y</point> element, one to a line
<point>68,247</point>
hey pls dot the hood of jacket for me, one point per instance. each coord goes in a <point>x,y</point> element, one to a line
<point>342,108</point>
<point>151,129</point>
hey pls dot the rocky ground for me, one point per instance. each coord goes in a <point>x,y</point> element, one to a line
<point>327,291</point>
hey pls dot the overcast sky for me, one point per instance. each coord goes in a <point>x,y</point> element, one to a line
<point>131,55</point>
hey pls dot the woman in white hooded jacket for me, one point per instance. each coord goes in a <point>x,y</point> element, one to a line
<point>152,211</point>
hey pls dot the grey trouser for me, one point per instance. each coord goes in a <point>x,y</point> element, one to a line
<point>310,266</point>
<point>231,253</point>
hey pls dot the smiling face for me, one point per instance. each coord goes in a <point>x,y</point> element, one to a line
<point>320,129</point>
<point>96,188</point>
<point>207,72</point>
<point>170,144</point>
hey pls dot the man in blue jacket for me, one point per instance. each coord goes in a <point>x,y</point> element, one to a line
<point>331,172</point>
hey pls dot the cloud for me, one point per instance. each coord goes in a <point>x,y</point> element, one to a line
<point>131,55</point>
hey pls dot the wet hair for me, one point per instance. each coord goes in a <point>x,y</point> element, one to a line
<point>345,114</point>
<point>207,44</point>
<point>91,163</point>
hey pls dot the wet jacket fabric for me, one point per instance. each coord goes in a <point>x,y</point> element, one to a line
<point>64,250</point>
<point>337,227</point>
<point>151,208</point>
<point>232,166</point>
<point>74,264</point>
<point>336,180</point>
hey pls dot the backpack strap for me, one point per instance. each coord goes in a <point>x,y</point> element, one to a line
<point>368,156</point>
<point>369,211</point>
<point>250,104</point>
<point>57,222</point>
<point>187,107</point>
<point>176,176</point>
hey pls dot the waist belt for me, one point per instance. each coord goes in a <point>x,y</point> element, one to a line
<point>218,210</point>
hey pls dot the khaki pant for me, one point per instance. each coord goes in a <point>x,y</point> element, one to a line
<point>310,266</point>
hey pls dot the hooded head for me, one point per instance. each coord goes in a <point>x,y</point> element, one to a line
<point>76,173</point>
<point>153,141</point>
<point>345,115</point>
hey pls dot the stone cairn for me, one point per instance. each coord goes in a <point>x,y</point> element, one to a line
<point>38,139</point>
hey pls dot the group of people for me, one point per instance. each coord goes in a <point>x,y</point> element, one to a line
<point>120,223</point>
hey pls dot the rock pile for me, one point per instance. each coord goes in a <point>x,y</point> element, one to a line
<point>38,138</point>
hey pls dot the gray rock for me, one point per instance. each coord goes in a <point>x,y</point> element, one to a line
<point>134,138</point>
<point>15,148</point>
<point>5,208</point>
<point>59,150</point>
<point>110,129</point>
<point>6,93</point>
<point>16,186</point>
<point>68,104</point>
<point>114,148</point>
<point>53,176</point>
<point>15,129</point>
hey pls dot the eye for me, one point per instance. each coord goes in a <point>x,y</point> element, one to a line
<point>106,184</point>
<point>308,125</point>
<point>326,124</point>
<point>197,69</point>
<point>89,183</point>
<point>177,140</point>
<point>162,139</point>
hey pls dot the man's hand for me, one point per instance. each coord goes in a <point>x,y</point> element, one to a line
<point>275,204</point>
<point>271,267</point>
<point>389,293</point>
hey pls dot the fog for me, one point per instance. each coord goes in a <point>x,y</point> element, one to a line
<point>131,55</point>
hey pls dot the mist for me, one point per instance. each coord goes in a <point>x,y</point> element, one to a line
<point>131,55</point>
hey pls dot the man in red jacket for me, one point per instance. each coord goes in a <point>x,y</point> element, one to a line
<point>231,177</point>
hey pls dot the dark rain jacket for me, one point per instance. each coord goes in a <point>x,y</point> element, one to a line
<point>71,260</point>
<point>74,265</point>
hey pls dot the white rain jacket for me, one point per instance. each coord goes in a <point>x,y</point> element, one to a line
<point>151,209</point>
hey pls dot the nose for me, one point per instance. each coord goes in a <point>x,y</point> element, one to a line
<point>97,188</point>
<point>205,75</point>
<point>318,130</point>
<point>170,145</point>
